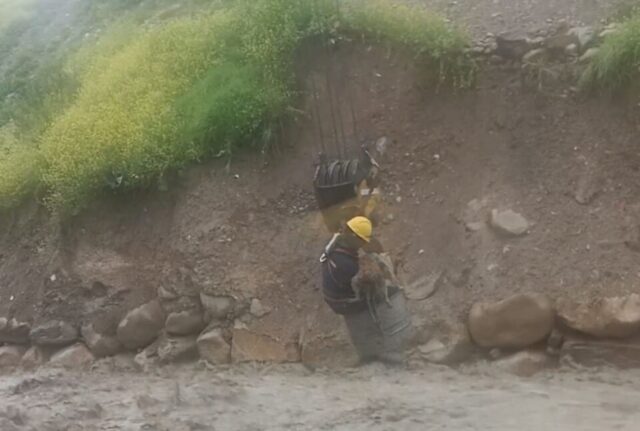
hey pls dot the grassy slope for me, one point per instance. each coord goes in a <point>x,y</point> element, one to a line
<point>165,86</point>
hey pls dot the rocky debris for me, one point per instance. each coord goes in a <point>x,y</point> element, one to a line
<point>181,303</point>
<point>425,286</point>
<point>511,48</point>
<point>596,353</point>
<point>509,222</point>
<point>617,317</point>
<point>54,333</point>
<point>518,321</point>
<point>101,345</point>
<point>185,322</point>
<point>14,332</point>
<point>589,55</point>
<point>217,307</point>
<point>167,349</point>
<point>610,29</point>
<point>249,346</point>
<point>10,356</point>
<point>586,37</point>
<point>213,348</point>
<point>558,43</point>
<point>141,326</point>
<point>555,342</point>
<point>73,357</point>
<point>524,364</point>
<point>535,56</point>
<point>33,358</point>
<point>382,145</point>
<point>453,348</point>
<point>147,358</point>
<point>177,349</point>
<point>572,50</point>
<point>257,309</point>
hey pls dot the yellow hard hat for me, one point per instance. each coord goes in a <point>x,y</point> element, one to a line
<point>362,227</point>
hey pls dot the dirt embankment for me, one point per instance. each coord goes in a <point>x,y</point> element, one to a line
<point>250,229</point>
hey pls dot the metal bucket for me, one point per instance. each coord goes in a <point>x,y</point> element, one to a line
<point>386,339</point>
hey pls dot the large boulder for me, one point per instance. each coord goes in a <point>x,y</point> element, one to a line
<point>213,348</point>
<point>525,363</point>
<point>14,332</point>
<point>101,345</point>
<point>73,357</point>
<point>248,346</point>
<point>55,333</point>
<point>185,322</point>
<point>141,326</point>
<point>516,322</point>
<point>597,353</point>
<point>617,317</point>
<point>10,356</point>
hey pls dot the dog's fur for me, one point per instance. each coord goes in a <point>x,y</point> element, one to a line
<point>373,278</point>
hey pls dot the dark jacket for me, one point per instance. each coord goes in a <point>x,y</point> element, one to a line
<point>339,266</point>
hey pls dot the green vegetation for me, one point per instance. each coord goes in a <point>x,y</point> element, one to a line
<point>146,99</point>
<point>617,63</point>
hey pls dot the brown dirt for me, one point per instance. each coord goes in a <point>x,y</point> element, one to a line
<point>251,229</point>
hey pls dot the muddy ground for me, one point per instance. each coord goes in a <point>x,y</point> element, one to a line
<point>372,398</point>
<point>249,227</point>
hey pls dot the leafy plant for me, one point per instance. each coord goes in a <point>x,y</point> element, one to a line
<point>617,63</point>
<point>145,99</point>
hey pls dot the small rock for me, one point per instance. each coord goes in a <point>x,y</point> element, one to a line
<point>596,353</point>
<point>519,321</point>
<point>55,333</point>
<point>217,307</point>
<point>14,332</point>
<point>535,56</point>
<point>100,345</point>
<point>608,32</point>
<point>213,348</point>
<point>33,358</point>
<point>10,356</point>
<point>474,226</point>
<point>73,357</point>
<point>141,326</point>
<point>177,349</point>
<point>536,42</point>
<point>166,295</point>
<point>571,50</point>
<point>249,346</point>
<point>382,145</point>
<point>589,55</point>
<point>451,349</point>
<point>185,322</point>
<point>509,222</point>
<point>586,37</point>
<point>524,364</point>
<point>257,309</point>
<point>617,317</point>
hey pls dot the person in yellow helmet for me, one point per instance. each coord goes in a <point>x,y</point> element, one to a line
<point>381,333</point>
<point>340,265</point>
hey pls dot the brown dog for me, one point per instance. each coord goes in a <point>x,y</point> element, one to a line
<point>373,278</point>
